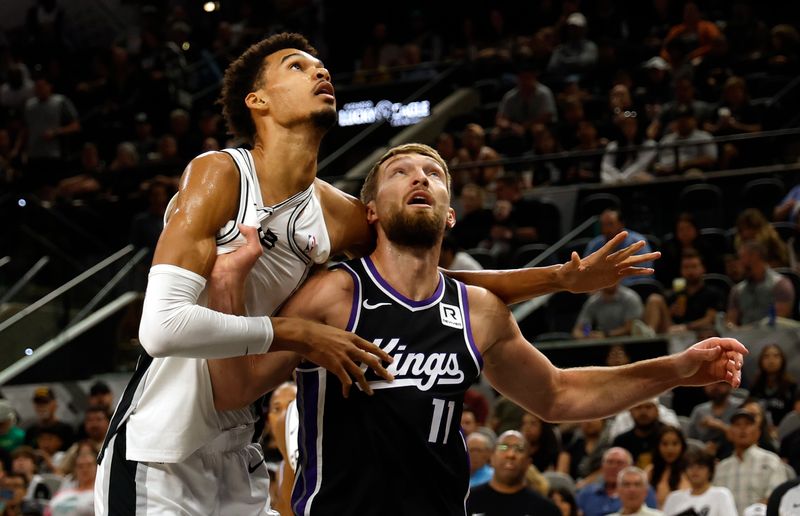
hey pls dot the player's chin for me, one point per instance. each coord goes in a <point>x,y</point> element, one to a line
<point>325,117</point>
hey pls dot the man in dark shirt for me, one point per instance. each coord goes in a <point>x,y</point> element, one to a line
<point>691,305</point>
<point>45,405</point>
<point>506,494</point>
<point>642,440</point>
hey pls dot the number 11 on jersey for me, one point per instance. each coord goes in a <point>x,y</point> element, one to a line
<point>436,422</point>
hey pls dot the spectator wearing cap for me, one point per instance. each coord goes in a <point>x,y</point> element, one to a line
<point>687,148</point>
<point>654,89</point>
<point>751,473</point>
<point>11,436</point>
<point>576,55</point>
<point>45,406</point>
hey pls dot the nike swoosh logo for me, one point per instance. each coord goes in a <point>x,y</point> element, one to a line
<point>368,306</point>
<point>251,469</point>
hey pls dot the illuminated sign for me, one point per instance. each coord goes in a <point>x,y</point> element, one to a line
<point>396,113</point>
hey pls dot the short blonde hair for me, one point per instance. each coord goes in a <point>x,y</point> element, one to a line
<point>371,181</point>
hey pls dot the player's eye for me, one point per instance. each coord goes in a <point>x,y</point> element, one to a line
<point>296,66</point>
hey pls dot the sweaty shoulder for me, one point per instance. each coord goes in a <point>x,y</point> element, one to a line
<point>325,297</point>
<point>346,219</point>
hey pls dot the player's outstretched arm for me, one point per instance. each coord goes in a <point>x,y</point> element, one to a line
<point>603,268</point>
<point>522,373</point>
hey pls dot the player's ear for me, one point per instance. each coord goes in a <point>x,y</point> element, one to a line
<point>256,100</point>
<point>451,218</point>
<point>372,215</point>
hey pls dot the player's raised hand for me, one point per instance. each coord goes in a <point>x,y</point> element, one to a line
<point>605,267</point>
<point>712,360</point>
<point>340,352</point>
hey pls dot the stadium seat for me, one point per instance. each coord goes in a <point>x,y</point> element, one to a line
<point>721,282</point>
<point>704,202</point>
<point>594,204</point>
<point>646,286</point>
<point>786,230</point>
<point>562,311</point>
<point>524,254</point>
<point>717,239</point>
<point>763,194</point>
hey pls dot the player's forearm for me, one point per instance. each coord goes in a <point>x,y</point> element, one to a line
<point>513,286</point>
<point>174,325</point>
<point>596,392</point>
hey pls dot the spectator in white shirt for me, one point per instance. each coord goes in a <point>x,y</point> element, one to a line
<point>751,473</point>
<point>701,497</point>
<point>697,149</point>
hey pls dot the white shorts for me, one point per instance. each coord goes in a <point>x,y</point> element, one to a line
<point>227,477</point>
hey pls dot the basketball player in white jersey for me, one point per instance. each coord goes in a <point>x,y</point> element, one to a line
<point>167,445</point>
<point>408,201</point>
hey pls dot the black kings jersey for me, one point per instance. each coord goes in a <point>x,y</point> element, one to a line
<point>400,451</point>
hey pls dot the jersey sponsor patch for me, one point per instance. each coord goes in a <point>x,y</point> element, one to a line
<point>451,316</point>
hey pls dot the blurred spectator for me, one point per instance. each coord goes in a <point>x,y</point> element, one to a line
<point>379,54</point>
<point>789,206</point>
<point>48,118</point>
<point>620,103</point>
<point>564,500</point>
<point>525,220</point>
<point>48,447</point>
<point>24,462</point>
<point>586,169</point>
<point>654,88</point>
<point>642,440</point>
<point>506,415</point>
<point>784,55</point>
<point>45,406</point>
<point>506,493</point>
<point>623,421</point>
<point>583,455</point>
<point>714,69</point>
<point>14,487</point>
<point>686,239</point>
<point>11,436</point>
<point>767,440</point>
<point>684,102</point>
<point>772,384</point>
<point>146,226</point>
<point>95,425</point>
<point>543,442</point>
<point>734,115</point>
<point>167,153</point>
<point>695,33</point>
<point>690,305</point>
<point>631,164</point>
<point>454,258</point>
<point>668,470</point>
<point>612,223</point>
<point>17,89</point>
<point>709,420</point>
<point>77,500</point>
<point>475,220</point>
<point>603,497</point>
<point>480,452</point>
<point>567,128</point>
<point>474,149</point>
<point>609,312</point>
<point>125,159</point>
<point>100,395</point>
<point>87,181</point>
<point>44,26</point>
<point>469,423</point>
<point>576,55</point>
<point>751,473</point>
<point>547,171</point>
<point>751,224</point>
<point>687,148</point>
<point>700,497</point>
<point>527,104</point>
<point>188,140</point>
<point>633,490</point>
<point>764,293</point>
<point>143,135</point>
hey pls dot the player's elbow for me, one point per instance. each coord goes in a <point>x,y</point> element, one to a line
<point>156,336</point>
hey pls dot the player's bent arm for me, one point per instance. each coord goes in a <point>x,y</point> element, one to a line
<point>522,373</point>
<point>346,220</point>
<point>172,323</point>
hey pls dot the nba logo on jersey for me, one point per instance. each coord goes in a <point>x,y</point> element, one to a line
<point>451,316</point>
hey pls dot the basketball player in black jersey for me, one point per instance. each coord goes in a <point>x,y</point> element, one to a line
<point>400,451</point>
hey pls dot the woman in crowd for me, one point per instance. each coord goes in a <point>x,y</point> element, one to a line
<point>564,500</point>
<point>543,441</point>
<point>667,473</point>
<point>752,225</point>
<point>632,163</point>
<point>772,384</point>
<point>77,500</point>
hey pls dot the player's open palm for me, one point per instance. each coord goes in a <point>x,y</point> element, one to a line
<point>340,352</point>
<point>712,360</point>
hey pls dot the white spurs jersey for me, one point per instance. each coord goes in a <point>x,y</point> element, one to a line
<point>171,411</point>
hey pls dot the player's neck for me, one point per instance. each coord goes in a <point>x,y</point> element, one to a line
<point>414,272</point>
<point>286,160</point>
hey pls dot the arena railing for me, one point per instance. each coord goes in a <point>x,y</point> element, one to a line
<point>43,327</point>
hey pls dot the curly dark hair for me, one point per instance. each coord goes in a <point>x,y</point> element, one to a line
<point>242,76</point>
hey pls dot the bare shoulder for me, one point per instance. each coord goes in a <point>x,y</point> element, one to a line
<point>211,166</point>
<point>325,297</point>
<point>490,318</point>
<point>346,219</point>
